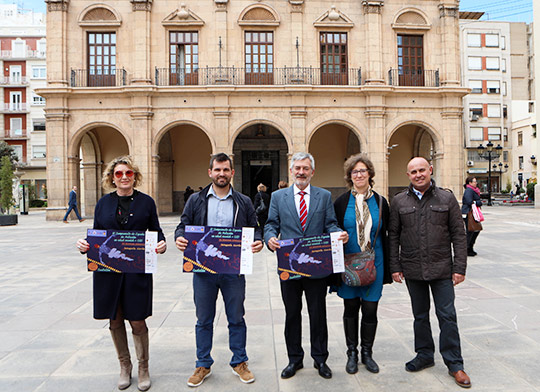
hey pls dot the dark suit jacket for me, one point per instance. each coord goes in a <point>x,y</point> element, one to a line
<point>72,198</point>
<point>283,217</point>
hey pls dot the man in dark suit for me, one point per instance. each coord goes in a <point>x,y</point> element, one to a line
<point>73,205</point>
<point>300,211</point>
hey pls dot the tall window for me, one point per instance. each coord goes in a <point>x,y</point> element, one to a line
<point>520,138</point>
<point>101,59</point>
<point>476,86</point>
<point>184,57</point>
<point>410,60</point>
<point>474,40</point>
<point>477,133</point>
<point>492,63</point>
<point>494,133</point>
<point>493,86</point>
<point>259,52</point>
<point>334,58</point>
<point>474,62</point>
<point>492,40</point>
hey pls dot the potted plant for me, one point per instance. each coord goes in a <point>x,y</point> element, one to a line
<point>6,192</point>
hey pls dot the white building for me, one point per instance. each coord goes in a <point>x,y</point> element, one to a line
<point>22,119</point>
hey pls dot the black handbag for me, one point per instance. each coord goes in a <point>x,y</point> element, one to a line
<point>360,267</point>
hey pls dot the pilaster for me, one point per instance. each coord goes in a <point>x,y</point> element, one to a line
<point>57,30</point>
<point>373,34</point>
<point>449,15</point>
<point>142,39</point>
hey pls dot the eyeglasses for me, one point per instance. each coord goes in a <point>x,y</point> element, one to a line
<point>120,174</point>
<point>362,172</point>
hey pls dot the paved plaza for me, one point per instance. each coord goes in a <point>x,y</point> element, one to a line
<point>49,341</point>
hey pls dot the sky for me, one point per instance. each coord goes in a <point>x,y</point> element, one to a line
<point>507,10</point>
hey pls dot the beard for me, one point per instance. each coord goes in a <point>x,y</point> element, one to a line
<point>221,182</point>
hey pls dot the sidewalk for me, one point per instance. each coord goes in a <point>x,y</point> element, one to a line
<point>50,342</point>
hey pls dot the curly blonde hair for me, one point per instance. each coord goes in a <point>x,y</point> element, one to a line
<point>107,179</point>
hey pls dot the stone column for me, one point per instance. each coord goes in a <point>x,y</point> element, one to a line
<point>57,66</point>
<point>450,161</point>
<point>142,143</point>
<point>220,30</point>
<point>373,37</point>
<point>378,144</point>
<point>450,50</point>
<point>92,184</point>
<point>141,67</point>
<point>297,30</point>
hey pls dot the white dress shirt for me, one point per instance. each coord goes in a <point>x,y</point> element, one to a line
<point>297,197</point>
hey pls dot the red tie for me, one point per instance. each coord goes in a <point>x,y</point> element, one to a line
<point>303,210</point>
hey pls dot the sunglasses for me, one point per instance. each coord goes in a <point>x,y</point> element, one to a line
<point>120,174</point>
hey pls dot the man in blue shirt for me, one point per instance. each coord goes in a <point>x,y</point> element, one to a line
<point>219,205</point>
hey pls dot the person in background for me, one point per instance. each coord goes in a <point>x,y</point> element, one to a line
<point>471,196</point>
<point>261,203</point>
<point>72,205</point>
<point>282,185</point>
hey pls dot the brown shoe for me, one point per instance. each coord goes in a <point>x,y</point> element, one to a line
<point>461,378</point>
<point>65,221</point>
<point>242,371</point>
<point>198,377</point>
<point>82,220</point>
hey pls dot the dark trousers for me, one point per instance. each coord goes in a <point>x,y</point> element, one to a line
<point>471,236</point>
<point>291,292</point>
<point>74,208</point>
<point>443,297</point>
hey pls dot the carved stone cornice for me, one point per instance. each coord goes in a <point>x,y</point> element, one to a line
<point>221,113</point>
<point>57,5</point>
<point>141,114</point>
<point>141,5</point>
<point>448,10</point>
<point>375,113</point>
<point>372,6</point>
<point>297,5</point>
<point>221,4</point>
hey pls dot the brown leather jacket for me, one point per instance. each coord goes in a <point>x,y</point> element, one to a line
<point>422,232</point>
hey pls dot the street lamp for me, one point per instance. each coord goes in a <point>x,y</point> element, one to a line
<point>489,153</point>
<point>500,169</point>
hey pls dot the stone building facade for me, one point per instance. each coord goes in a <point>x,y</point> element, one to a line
<point>172,82</point>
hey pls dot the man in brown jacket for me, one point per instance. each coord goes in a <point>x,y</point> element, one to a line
<point>425,224</point>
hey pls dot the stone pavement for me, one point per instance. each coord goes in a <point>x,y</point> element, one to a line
<point>49,341</point>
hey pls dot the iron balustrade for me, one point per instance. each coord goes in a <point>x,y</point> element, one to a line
<point>212,76</point>
<point>413,78</point>
<point>84,78</point>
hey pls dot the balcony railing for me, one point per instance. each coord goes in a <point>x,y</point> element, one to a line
<point>36,54</point>
<point>14,107</point>
<point>211,76</point>
<point>15,133</point>
<point>413,78</point>
<point>84,78</point>
<point>13,80</point>
<point>24,53</point>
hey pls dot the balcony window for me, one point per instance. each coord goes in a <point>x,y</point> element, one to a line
<point>520,163</point>
<point>39,72</point>
<point>259,57</point>
<point>334,61</point>
<point>492,63</point>
<point>476,133</point>
<point>473,40</point>
<point>494,133</point>
<point>39,152</point>
<point>474,63</point>
<point>411,60</point>
<point>476,86</point>
<point>37,100</point>
<point>475,111</point>
<point>492,40</point>
<point>38,125</point>
<point>494,110</point>
<point>184,57</point>
<point>101,59</point>
<point>493,87</point>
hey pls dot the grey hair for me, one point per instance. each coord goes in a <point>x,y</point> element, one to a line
<point>299,156</point>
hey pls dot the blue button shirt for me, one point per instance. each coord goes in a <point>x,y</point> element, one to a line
<point>220,210</point>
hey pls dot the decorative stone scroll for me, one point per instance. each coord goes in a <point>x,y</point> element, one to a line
<point>372,6</point>
<point>141,5</point>
<point>221,4</point>
<point>57,5</point>
<point>297,5</point>
<point>451,11</point>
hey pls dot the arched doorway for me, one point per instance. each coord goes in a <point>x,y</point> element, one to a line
<point>260,156</point>
<point>331,145</point>
<point>184,153</point>
<point>98,146</point>
<point>408,141</point>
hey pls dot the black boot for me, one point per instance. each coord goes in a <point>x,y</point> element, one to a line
<point>367,332</point>
<point>350,325</point>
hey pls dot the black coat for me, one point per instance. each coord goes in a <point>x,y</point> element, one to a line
<point>257,202</point>
<point>340,206</point>
<point>197,206</point>
<point>469,197</point>
<point>132,291</point>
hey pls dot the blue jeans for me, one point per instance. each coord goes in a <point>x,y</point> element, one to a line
<point>72,207</point>
<point>205,292</point>
<point>443,297</point>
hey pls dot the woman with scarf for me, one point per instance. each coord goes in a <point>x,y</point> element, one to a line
<point>357,212</point>
<point>471,196</point>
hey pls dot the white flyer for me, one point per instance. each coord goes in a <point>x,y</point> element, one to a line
<point>246,254</point>
<point>338,260</point>
<point>150,255</point>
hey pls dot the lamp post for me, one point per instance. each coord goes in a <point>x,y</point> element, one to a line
<point>489,153</point>
<point>500,169</point>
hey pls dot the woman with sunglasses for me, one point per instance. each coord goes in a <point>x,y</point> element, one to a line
<point>120,297</point>
<point>358,212</point>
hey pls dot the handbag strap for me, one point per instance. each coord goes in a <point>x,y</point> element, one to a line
<point>380,219</point>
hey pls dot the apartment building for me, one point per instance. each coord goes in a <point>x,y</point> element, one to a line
<point>22,125</point>
<point>257,80</point>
